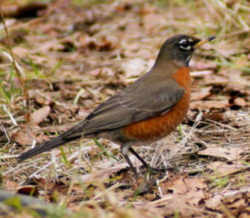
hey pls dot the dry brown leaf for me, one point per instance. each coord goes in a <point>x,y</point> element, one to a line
<point>223,169</point>
<point>42,100</point>
<point>235,201</point>
<point>40,97</point>
<point>240,102</point>
<point>182,195</point>
<point>30,190</point>
<point>230,153</point>
<point>201,94</point>
<point>213,202</point>
<point>23,136</point>
<point>204,105</point>
<point>237,204</point>
<point>39,115</point>
<point>192,188</point>
<point>215,115</point>
<point>21,10</point>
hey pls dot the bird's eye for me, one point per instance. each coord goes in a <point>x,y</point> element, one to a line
<point>186,44</point>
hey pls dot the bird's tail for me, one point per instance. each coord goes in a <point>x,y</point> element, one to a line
<point>73,133</point>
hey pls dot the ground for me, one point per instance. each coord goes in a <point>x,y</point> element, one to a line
<point>60,59</point>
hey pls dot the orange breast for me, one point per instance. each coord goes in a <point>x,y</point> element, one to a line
<point>161,126</point>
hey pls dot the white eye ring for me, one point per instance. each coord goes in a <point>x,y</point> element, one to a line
<point>182,41</point>
<point>185,44</point>
<point>188,48</point>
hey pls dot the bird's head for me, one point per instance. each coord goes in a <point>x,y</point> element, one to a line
<point>180,48</point>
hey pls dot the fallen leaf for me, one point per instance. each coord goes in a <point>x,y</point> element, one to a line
<point>39,115</point>
<point>222,168</point>
<point>216,115</point>
<point>204,105</point>
<point>42,98</point>
<point>29,9</point>
<point>30,190</point>
<point>213,202</point>
<point>238,204</point>
<point>182,194</point>
<point>236,201</point>
<point>230,153</point>
<point>240,102</point>
<point>201,94</point>
<point>24,136</point>
<point>192,188</point>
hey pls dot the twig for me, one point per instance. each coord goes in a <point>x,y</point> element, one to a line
<point>9,114</point>
<point>193,128</point>
<point>237,33</point>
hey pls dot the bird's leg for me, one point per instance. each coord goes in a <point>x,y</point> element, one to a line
<point>138,157</point>
<point>144,162</point>
<point>124,151</point>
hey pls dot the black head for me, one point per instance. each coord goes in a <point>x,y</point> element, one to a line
<point>179,48</point>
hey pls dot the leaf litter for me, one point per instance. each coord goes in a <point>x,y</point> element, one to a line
<point>76,56</point>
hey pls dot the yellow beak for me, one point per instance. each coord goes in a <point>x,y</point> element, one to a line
<point>202,42</point>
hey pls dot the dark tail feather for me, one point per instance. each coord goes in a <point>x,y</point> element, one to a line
<point>72,134</point>
<point>46,146</point>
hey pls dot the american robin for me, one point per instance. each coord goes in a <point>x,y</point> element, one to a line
<point>143,112</point>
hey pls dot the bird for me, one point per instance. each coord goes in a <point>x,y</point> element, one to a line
<point>143,112</point>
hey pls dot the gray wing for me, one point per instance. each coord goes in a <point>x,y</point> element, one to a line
<point>133,104</point>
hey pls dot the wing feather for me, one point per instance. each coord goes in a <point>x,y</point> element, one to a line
<point>133,104</point>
